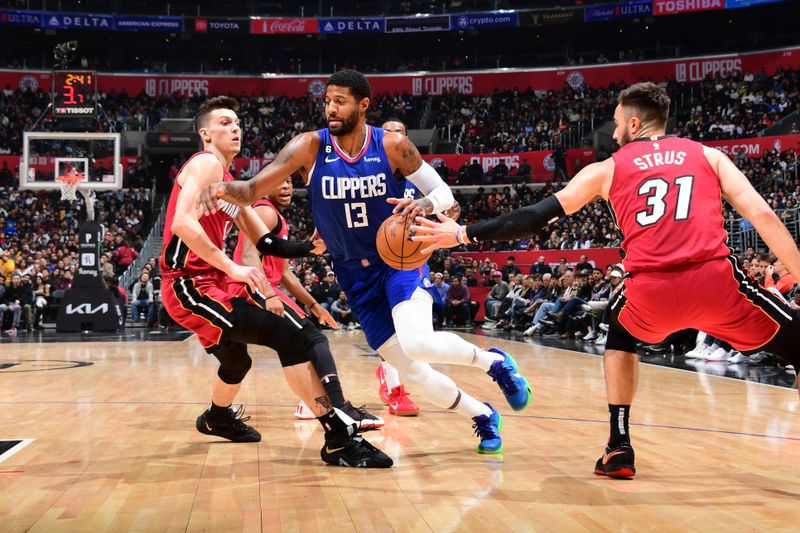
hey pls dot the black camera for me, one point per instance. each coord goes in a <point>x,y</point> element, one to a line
<point>63,53</point>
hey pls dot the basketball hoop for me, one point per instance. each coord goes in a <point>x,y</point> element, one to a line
<point>69,186</point>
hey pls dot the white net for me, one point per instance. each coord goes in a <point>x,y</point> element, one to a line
<point>69,189</point>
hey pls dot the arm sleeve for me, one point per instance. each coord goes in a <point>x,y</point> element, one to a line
<point>517,224</point>
<point>429,183</point>
<point>271,244</point>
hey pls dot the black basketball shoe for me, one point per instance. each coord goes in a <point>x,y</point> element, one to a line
<point>363,419</point>
<point>233,428</point>
<point>616,463</point>
<point>355,452</point>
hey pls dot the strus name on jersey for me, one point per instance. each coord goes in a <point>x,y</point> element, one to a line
<point>353,187</point>
<point>228,208</point>
<point>657,159</point>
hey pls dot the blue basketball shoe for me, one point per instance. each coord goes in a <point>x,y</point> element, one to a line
<point>487,428</point>
<point>511,381</point>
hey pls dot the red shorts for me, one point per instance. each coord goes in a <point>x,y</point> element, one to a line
<point>715,297</point>
<point>202,304</point>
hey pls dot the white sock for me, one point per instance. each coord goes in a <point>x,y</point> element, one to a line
<point>471,407</point>
<point>391,374</point>
<point>483,359</point>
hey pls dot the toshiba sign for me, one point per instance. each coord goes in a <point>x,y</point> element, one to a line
<point>675,7</point>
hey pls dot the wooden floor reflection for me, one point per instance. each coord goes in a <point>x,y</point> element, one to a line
<point>115,449</point>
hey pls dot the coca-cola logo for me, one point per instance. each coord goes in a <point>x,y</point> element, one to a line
<point>287,26</point>
<point>283,25</point>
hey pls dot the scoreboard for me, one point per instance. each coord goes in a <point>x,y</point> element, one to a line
<point>74,94</point>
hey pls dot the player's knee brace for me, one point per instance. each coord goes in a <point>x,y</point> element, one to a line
<point>234,363</point>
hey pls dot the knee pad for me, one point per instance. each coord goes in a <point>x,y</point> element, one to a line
<point>234,362</point>
<point>322,358</point>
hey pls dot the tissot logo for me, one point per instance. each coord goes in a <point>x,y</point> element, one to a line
<point>86,309</point>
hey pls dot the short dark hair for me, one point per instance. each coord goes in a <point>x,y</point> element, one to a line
<point>650,100</point>
<point>218,102</point>
<point>355,81</point>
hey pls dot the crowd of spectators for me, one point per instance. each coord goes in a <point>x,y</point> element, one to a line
<point>40,248</point>
<point>737,106</point>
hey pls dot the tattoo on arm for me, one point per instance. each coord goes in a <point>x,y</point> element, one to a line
<point>323,401</point>
<point>240,192</point>
<point>288,151</point>
<point>410,159</point>
<point>427,205</point>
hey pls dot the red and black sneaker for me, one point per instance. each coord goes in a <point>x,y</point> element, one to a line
<point>616,463</point>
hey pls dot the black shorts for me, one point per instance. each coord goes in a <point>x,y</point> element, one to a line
<point>291,335</point>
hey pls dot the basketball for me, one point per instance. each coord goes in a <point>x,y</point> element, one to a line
<point>395,245</point>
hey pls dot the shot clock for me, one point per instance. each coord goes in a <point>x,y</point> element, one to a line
<point>74,94</point>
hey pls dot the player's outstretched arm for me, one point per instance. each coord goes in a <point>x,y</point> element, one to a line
<point>200,173</point>
<point>591,182</point>
<point>738,192</point>
<point>268,243</point>
<point>404,156</point>
<point>298,154</point>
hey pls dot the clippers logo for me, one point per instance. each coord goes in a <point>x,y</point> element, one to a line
<point>87,309</point>
<point>549,162</point>
<point>28,83</point>
<point>317,88</point>
<point>575,79</point>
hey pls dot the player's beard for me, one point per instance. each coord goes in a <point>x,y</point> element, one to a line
<point>624,139</point>
<point>349,123</point>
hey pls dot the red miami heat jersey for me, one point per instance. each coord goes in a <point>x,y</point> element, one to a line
<point>667,202</point>
<point>176,258</point>
<point>273,266</point>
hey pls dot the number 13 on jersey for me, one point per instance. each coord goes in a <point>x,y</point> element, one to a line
<point>356,214</point>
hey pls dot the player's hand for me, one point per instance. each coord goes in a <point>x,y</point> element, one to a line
<point>440,234</point>
<point>454,211</point>
<point>208,198</point>
<point>275,305</point>
<point>253,276</point>
<point>410,208</point>
<point>324,317</point>
<point>319,247</point>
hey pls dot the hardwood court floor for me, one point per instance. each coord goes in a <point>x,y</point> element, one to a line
<point>116,450</point>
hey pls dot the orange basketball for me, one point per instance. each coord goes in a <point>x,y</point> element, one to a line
<point>396,247</point>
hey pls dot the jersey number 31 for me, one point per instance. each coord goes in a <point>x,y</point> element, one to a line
<point>656,190</point>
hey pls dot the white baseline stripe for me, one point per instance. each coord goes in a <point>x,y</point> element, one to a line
<point>15,449</point>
